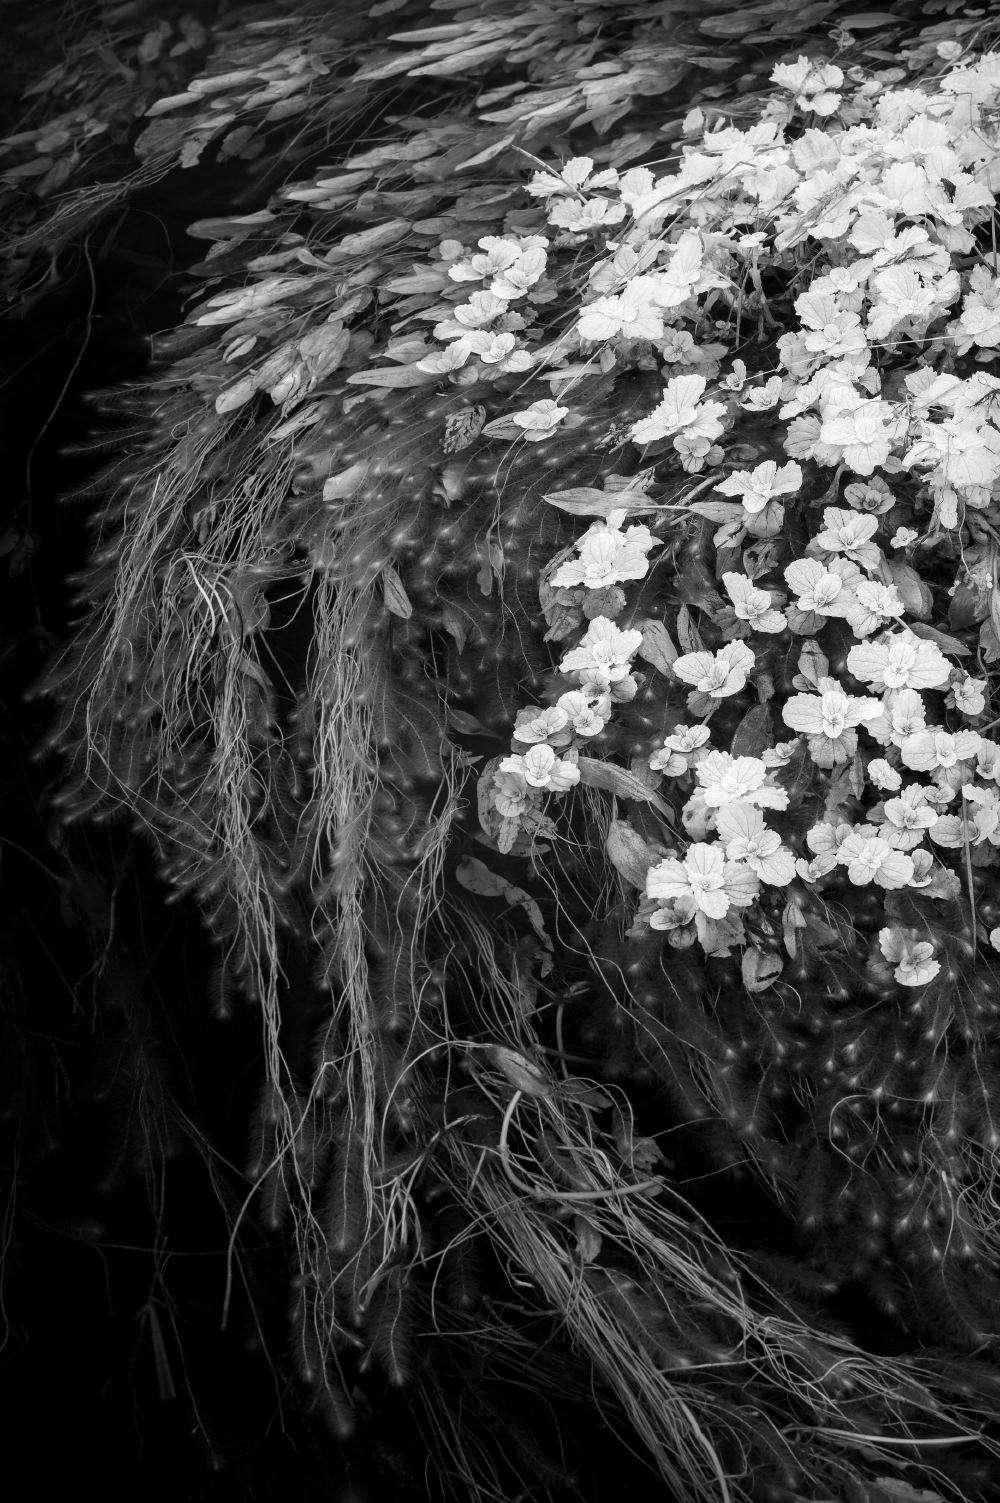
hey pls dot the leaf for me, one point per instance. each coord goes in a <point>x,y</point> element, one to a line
<point>396,599</point>
<point>585,501</point>
<point>792,920</point>
<point>392,376</point>
<point>418,281</point>
<point>896,1488</point>
<point>940,638</point>
<point>475,876</point>
<point>340,487</point>
<point>610,602</point>
<point>737,23</point>
<point>454,625</point>
<point>588,1240</point>
<point>813,665</point>
<point>716,511</point>
<point>760,969</point>
<point>867,20</point>
<point>964,609</point>
<point>466,724</point>
<point>501,427</point>
<point>644,1154</point>
<point>586,1094</point>
<point>687,633</point>
<point>559,606</point>
<point>621,782</point>
<point>915,595</point>
<point>462,428</point>
<point>628,853</point>
<point>523,1074</point>
<point>754,734</point>
<point>657,647</point>
<point>487,154</point>
<point>376,238</point>
<point>696,586</point>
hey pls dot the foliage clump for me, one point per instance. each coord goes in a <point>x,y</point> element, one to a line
<point>539,846</point>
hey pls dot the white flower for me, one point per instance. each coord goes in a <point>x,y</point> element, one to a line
<point>927,750</point>
<point>597,681</point>
<point>585,713</point>
<point>884,775</point>
<point>912,956</point>
<point>717,674</point>
<point>725,779</point>
<point>988,760</point>
<point>757,487</point>
<point>741,828</point>
<point>840,337</point>
<point>902,715</point>
<point>704,879</point>
<point>511,794</point>
<point>849,533</point>
<point>628,315</point>
<point>481,309</point>
<point>813,84</point>
<point>497,349</point>
<point>898,293</point>
<point>962,454</point>
<point>903,537</point>
<point>953,832</point>
<point>825,590</point>
<point>442,362</point>
<point>792,76</point>
<point>869,858</point>
<point>577,174</point>
<point>673,284</point>
<point>872,496</point>
<point>825,841</point>
<point>995,938</point>
<point>517,278</point>
<point>605,649</point>
<point>680,750</point>
<point>679,413</point>
<point>534,725</point>
<point>607,555</point>
<point>497,254</point>
<point>541,768</point>
<point>781,753</point>
<point>752,605</point>
<point>762,398</point>
<point>873,607</point>
<point>737,379</point>
<point>900,660</point>
<point>863,433</point>
<point>908,817</point>
<point>970,695</point>
<point>538,420</point>
<point>570,214</point>
<point>829,719</point>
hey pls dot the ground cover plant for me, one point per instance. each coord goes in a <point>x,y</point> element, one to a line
<point>542,616</point>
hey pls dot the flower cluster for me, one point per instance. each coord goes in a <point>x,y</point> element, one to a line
<point>871,213</point>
